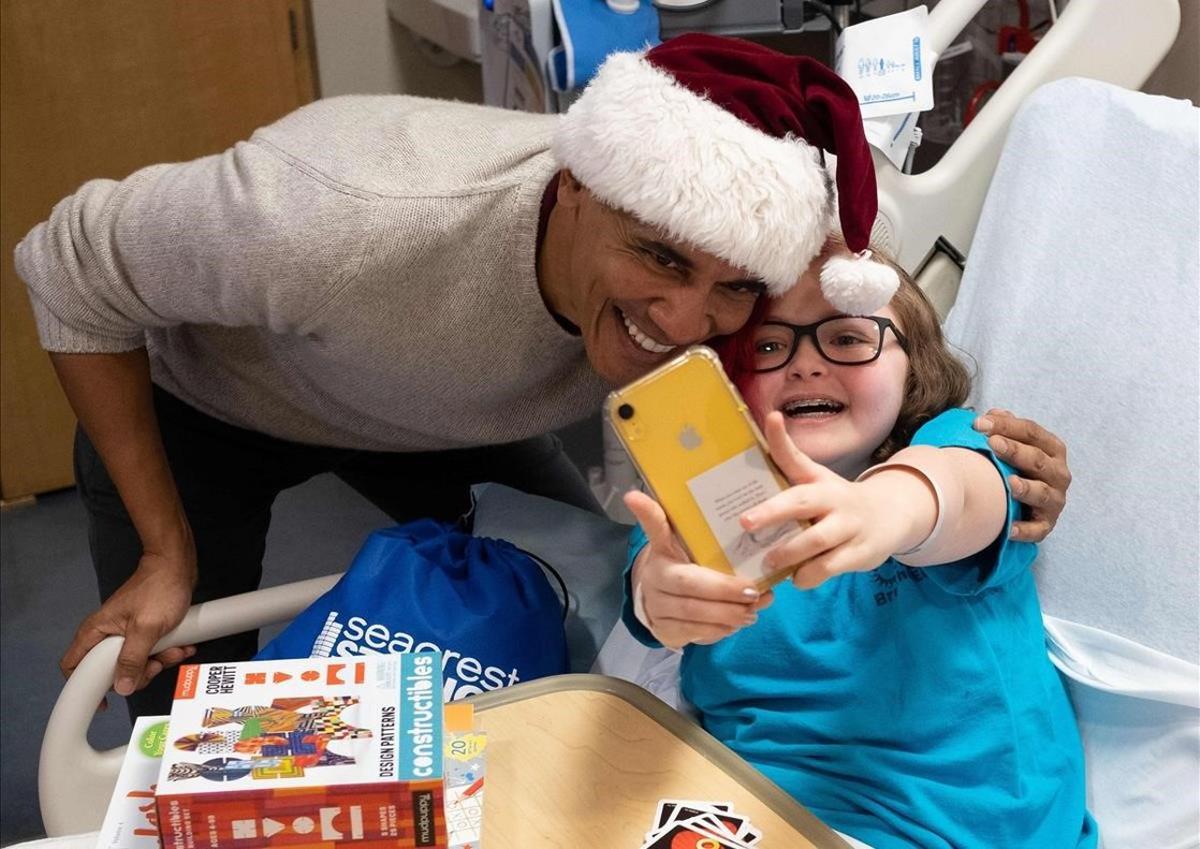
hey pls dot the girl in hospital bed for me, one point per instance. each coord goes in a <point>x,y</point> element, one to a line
<point>898,686</point>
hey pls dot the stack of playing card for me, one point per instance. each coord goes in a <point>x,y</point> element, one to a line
<point>685,824</point>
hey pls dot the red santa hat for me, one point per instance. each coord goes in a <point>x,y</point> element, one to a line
<point>718,142</point>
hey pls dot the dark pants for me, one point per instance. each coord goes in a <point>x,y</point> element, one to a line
<point>228,478</point>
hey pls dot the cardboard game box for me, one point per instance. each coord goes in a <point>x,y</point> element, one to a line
<point>465,766</point>
<point>320,752</point>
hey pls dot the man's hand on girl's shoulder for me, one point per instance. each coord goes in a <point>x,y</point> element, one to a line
<point>1041,458</point>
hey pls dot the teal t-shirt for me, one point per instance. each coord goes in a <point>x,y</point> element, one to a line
<point>904,706</point>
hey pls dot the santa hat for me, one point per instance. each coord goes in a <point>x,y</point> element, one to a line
<point>718,142</point>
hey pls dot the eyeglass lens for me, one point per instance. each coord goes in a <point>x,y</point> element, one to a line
<point>846,340</point>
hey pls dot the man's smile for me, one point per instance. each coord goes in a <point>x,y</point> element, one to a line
<point>641,338</point>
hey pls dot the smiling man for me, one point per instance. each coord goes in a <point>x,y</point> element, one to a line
<point>634,294</point>
<point>413,294</point>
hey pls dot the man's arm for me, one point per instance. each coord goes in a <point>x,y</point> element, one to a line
<point>1041,457</point>
<point>237,239</point>
<point>242,238</point>
<point>111,395</point>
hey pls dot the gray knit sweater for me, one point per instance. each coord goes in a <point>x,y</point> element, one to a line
<point>360,274</point>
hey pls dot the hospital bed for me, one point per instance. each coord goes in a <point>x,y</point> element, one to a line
<point>1072,227</point>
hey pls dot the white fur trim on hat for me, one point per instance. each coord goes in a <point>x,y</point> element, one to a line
<point>643,143</point>
<point>857,284</point>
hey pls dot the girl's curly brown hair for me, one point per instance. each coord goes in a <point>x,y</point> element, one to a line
<point>936,379</point>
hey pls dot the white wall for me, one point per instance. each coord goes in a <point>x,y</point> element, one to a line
<point>360,50</point>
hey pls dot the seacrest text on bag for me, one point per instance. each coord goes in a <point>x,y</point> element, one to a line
<point>463,675</point>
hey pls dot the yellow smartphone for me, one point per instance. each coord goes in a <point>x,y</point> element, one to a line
<point>703,458</point>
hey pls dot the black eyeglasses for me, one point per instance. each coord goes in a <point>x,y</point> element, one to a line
<point>845,340</point>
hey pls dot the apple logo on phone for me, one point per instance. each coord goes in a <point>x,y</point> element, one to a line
<point>690,438</point>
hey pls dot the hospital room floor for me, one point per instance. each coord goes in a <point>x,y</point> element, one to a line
<point>47,587</point>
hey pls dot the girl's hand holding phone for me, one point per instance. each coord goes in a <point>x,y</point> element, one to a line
<point>681,602</point>
<point>856,526</point>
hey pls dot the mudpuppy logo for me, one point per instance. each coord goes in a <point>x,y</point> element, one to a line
<point>423,821</point>
<point>462,674</point>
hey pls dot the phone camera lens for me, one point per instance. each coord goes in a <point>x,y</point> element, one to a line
<point>625,411</point>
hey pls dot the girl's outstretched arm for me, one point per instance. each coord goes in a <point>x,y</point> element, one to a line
<point>925,506</point>
<point>963,488</point>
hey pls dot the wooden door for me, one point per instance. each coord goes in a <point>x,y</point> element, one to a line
<point>100,89</point>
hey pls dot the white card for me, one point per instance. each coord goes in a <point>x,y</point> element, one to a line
<point>892,136</point>
<point>888,63</point>
<point>724,493</point>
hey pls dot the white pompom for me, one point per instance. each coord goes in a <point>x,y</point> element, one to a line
<point>858,285</point>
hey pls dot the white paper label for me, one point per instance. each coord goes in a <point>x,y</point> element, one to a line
<point>887,63</point>
<point>892,136</point>
<point>728,490</point>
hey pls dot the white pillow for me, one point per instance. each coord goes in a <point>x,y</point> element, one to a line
<point>654,670</point>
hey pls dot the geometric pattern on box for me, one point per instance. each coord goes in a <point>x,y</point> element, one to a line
<point>318,715</point>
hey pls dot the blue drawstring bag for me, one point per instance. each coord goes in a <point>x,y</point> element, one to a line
<point>484,603</point>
